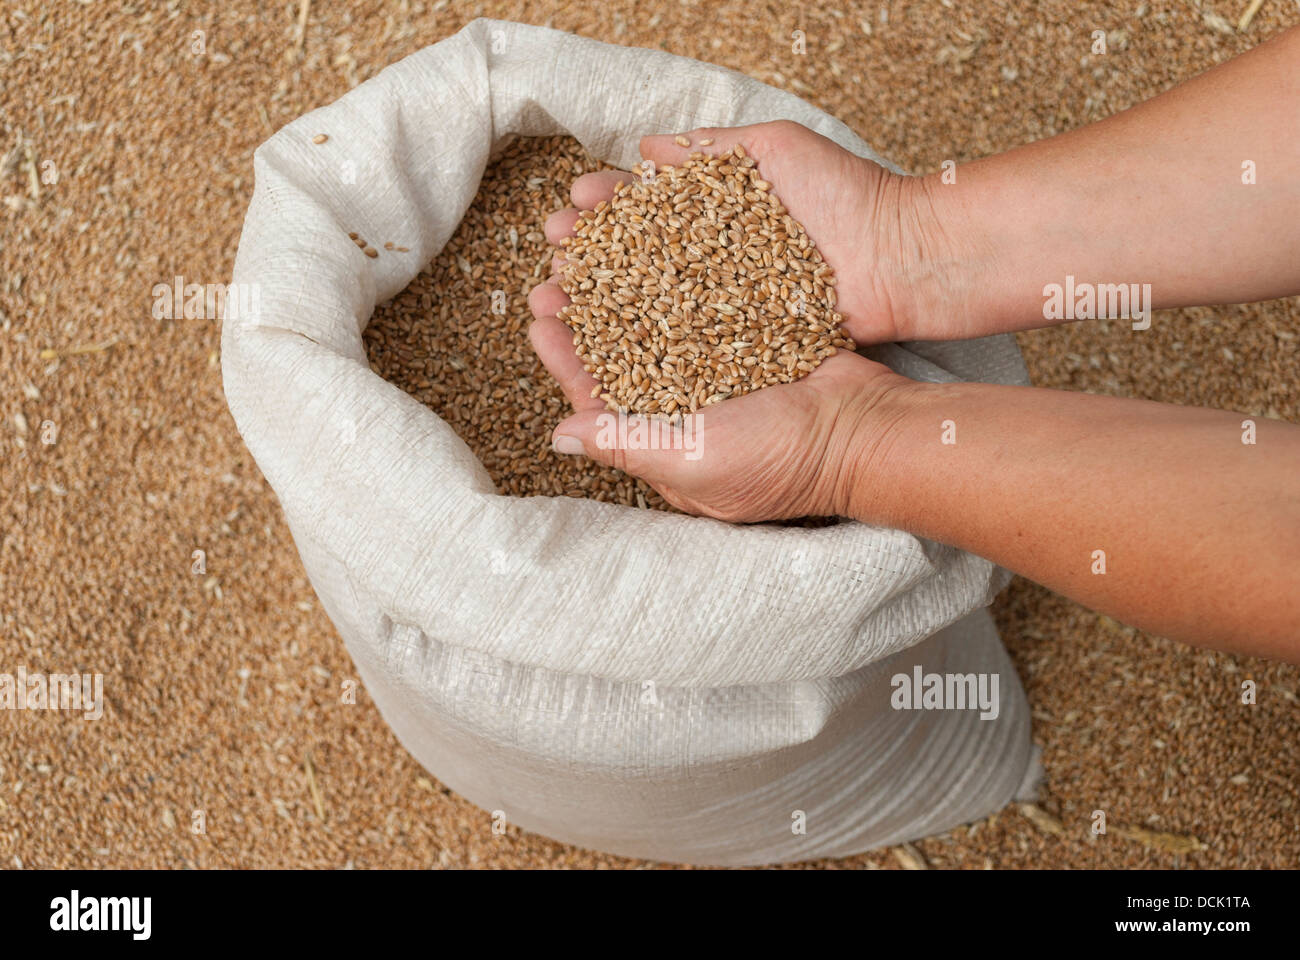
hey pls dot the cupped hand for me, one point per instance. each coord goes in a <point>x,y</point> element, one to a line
<point>785,451</point>
<point>860,216</point>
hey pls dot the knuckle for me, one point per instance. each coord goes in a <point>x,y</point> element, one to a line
<point>782,128</point>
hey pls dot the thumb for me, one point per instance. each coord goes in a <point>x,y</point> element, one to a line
<point>651,448</point>
<point>663,149</point>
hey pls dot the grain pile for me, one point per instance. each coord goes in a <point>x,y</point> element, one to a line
<point>457,337</point>
<point>693,284</point>
<point>123,165</point>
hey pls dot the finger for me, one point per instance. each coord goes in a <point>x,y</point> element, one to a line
<point>662,149</point>
<point>653,449</point>
<point>846,363</point>
<point>580,435</point>
<point>667,454</point>
<point>560,225</point>
<point>546,299</point>
<point>553,342</point>
<point>591,188</point>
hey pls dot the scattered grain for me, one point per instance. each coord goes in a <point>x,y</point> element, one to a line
<point>1249,15</point>
<point>99,577</point>
<point>1041,819</point>
<point>1167,842</point>
<point>317,801</point>
<point>909,858</point>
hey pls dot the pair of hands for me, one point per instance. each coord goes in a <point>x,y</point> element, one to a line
<point>797,449</point>
<point>1044,481</point>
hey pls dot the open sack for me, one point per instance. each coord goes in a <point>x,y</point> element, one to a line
<point>644,683</point>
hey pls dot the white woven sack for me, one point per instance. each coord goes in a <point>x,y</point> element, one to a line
<point>638,682</point>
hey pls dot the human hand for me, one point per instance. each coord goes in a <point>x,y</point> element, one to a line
<point>866,221</point>
<point>785,451</point>
<point>770,454</point>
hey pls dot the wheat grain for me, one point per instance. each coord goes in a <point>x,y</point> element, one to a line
<point>693,286</point>
<point>442,341</point>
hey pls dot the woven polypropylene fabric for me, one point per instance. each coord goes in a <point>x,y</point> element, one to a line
<point>510,642</point>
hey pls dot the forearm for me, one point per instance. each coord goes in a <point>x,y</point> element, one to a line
<point>1153,195</point>
<point>1198,533</point>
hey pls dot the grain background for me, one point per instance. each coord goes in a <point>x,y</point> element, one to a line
<point>223,689</point>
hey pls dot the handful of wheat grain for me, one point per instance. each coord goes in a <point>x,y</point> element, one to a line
<point>694,285</point>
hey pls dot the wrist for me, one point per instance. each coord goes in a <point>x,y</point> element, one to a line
<point>938,262</point>
<point>881,437</point>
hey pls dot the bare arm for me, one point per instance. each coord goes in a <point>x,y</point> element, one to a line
<point>1198,533</point>
<point>1153,195</point>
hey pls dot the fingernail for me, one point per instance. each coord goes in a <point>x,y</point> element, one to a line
<point>569,446</point>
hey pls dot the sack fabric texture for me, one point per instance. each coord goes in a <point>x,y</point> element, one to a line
<point>638,682</point>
